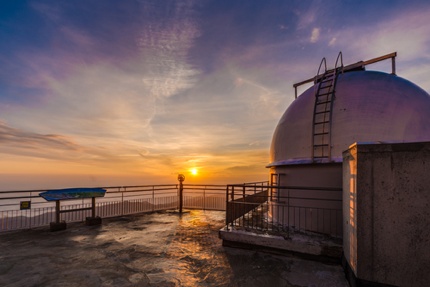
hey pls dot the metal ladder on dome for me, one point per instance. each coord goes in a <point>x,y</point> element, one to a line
<point>323,111</point>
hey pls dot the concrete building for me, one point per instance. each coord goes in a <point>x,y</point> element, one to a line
<point>386,213</point>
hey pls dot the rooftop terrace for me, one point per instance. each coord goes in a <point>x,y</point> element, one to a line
<point>160,248</point>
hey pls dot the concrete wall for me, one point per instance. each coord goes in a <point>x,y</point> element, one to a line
<point>307,209</point>
<point>310,175</point>
<point>386,210</point>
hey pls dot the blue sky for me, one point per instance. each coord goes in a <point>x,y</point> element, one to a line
<point>134,92</point>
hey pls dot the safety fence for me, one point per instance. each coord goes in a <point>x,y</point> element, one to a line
<point>280,210</point>
<point>26,209</point>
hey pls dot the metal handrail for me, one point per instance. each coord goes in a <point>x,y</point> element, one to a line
<point>391,56</point>
<point>341,61</point>
<point>118,201</point>
<point>251,212</point>
<point>319,68</point>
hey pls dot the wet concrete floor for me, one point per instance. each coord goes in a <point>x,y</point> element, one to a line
<point>157,249</point>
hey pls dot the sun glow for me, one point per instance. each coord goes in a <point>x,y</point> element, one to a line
<point>193,171</point>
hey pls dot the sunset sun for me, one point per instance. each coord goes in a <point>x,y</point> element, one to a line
<point>194,171</point>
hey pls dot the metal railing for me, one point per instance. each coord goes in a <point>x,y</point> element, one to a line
<point>280,210</point>
<point>206,197</point>
<point>118,201</point>
<point>355,66</point>
<point>257,206</point>
<point>243,198</point>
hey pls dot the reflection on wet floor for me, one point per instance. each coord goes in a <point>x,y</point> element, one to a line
<point>158,249</point>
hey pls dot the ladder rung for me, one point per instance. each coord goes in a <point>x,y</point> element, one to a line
<point>329,87</point>
<point>320,123</point>
<point>327,73</point>
<point>320,145</point>
<point>325,102</point>
<point>323,112</point>
<point>329,82</point>
<point>320,156</point>
<point>327,90</point>
<point>321,134</point>
<point>327,78</point>
<point>324,94</point>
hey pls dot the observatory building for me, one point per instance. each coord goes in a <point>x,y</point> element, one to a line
<point>350,151</point>
<point>345,105</point>
<point>349,177</point>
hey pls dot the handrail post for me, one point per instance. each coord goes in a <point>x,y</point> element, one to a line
<point>181,190</point>
<point>153,198</point>
<point>93,207</point>
<point>288,210</point>
<point>31,216</point>
<point>393,65</point>
<point>341,61</point>
<point>57,211</point>
<point>319,68</point>
<point>204,198</point>
<point>226,207</point>
<point>122,200</point>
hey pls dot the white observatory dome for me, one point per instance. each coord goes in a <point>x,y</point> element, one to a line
<point>368,106</point>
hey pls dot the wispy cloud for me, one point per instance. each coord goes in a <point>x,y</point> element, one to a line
<point>99,97</point>
<point>164,47</point>
<point>21,149</point>
<point>307,17</point>
<point>52,12</point>
<point>15,138</point>
<point>315,35</point>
